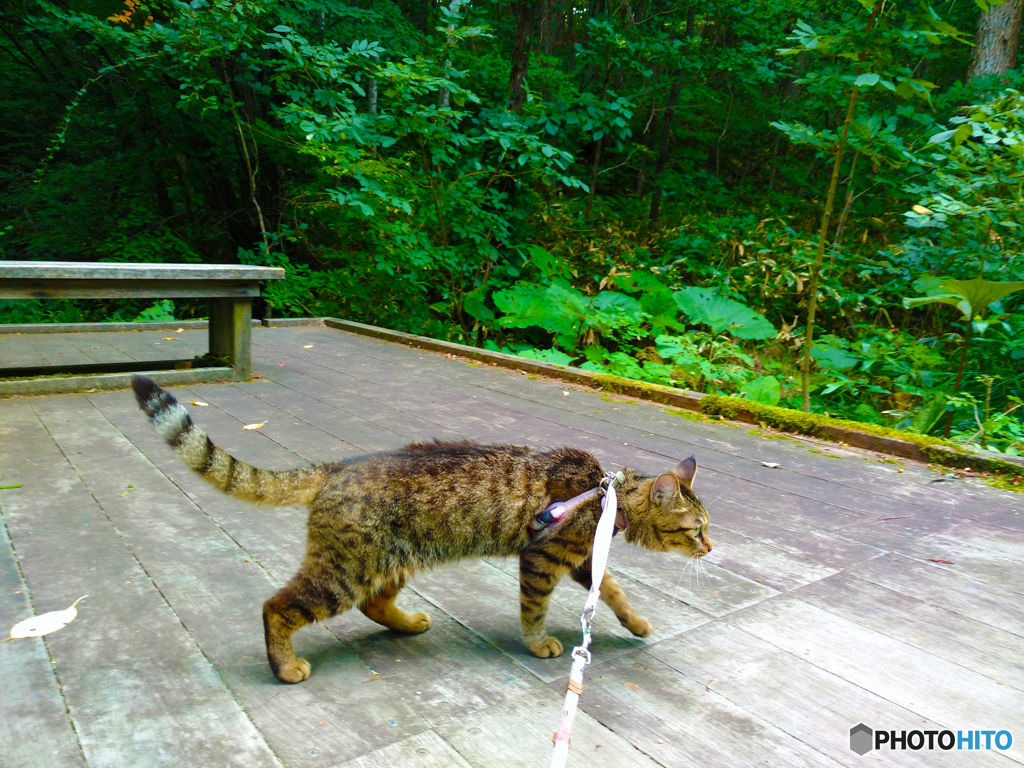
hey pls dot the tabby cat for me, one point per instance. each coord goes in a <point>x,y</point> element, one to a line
<point>375,520</point>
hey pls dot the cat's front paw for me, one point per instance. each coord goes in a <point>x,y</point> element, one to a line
<point>638,625</point>
<point>547,648</point>
<point>295,672</point>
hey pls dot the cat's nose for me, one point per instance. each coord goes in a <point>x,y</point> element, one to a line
<point>707,543</point>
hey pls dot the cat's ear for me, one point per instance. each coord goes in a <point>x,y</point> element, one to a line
<point>686,470</point>
<point>665,489</point>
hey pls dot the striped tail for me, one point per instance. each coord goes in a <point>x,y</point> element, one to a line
<point>217,466</point>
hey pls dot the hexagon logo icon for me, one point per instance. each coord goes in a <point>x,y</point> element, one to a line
<point>860,739</point>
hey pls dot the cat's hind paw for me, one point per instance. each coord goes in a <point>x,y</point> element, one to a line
<point>295,672</point>
<point>547,648</point>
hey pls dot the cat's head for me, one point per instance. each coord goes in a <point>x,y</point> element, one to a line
<point>664,514</point>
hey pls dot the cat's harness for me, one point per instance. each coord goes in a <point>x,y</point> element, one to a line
<point>555,512</point>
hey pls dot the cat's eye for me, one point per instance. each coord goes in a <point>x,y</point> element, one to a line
<point>696,532</point>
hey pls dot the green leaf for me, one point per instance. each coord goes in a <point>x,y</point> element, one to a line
<point>613,303</point>
<point>969,296</point>
<point>868,78</point>
<point>552,355</point>
<point>707,306</point>
<point>764,389</point>
<point>473,303</point>
<point>979,292</point>
<point>833,358</point>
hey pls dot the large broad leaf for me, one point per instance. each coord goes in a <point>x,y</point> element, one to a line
<point>555,356</point>
<point>707,306</point>
<point>616,309</point>
<point>764,389</point>
<point>969,296</point>
<point>831,357</point>
<point>558,308</point>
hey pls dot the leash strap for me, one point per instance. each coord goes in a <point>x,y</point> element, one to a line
<point>581,654</point>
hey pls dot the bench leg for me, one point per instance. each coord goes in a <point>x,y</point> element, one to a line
<point>231,333</point>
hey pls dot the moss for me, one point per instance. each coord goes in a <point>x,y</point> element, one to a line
<point>897,462</point>
<point>822,453</point>
<point>474,364</point>
<point>757,432</point>
<point>695,416</point>
<point>934,449</point>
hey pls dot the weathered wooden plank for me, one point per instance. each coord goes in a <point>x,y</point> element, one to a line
<point>309,440</point>
<point>109,288</point>
<point>783,569</point>
<point>138,688</point>
<point>968,558</point>
<point>445,673</point>
<point>355,430</point>
<point>76,270</point>
<point>204,576</point>
<point>810,704</point>
<point>968,597</point>
<point>31,704</point>
<point>718,591</point>
<point>992,652</point>
<point>677,721</point>
<point>424,750</point>
<point>230,333</point>
<point>18,352</point>
<point>942,691</point>
<point>106,381</point>
<point>350,401</point>
<point>517,734</point>
<point>56,350</point>
<point>97,347</point>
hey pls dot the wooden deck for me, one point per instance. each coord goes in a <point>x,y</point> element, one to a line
<point>825,606</point>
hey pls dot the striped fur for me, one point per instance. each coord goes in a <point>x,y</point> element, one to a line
<point>217,466</point>
<point>376,520</point>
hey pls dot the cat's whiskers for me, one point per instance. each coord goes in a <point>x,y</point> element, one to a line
<point>683,572</point>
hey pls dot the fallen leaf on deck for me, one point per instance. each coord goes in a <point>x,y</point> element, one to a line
<point>170,338</point>
<point>375,676</point>
<point>769,464</point>
<point>707,684</point>
<point>254,426</point>
<point>130,489</point>
<point>633,686</point>
<point>180,330</point>
<point>45,624</point>
<point>307,346</point>
<point>936,560</point>
<point>280,365</point>
<point>200,403</point>
<point>7,487</point>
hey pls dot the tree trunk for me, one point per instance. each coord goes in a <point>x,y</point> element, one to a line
<point>663,142</point>
<point>819,258</point>
<point>997,41</point>
<point>371,96</point>
<point>523,11</point>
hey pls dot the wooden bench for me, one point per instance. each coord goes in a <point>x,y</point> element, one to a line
<point>228,289</point>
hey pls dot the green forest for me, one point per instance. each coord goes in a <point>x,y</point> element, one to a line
<point>805,203</point>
